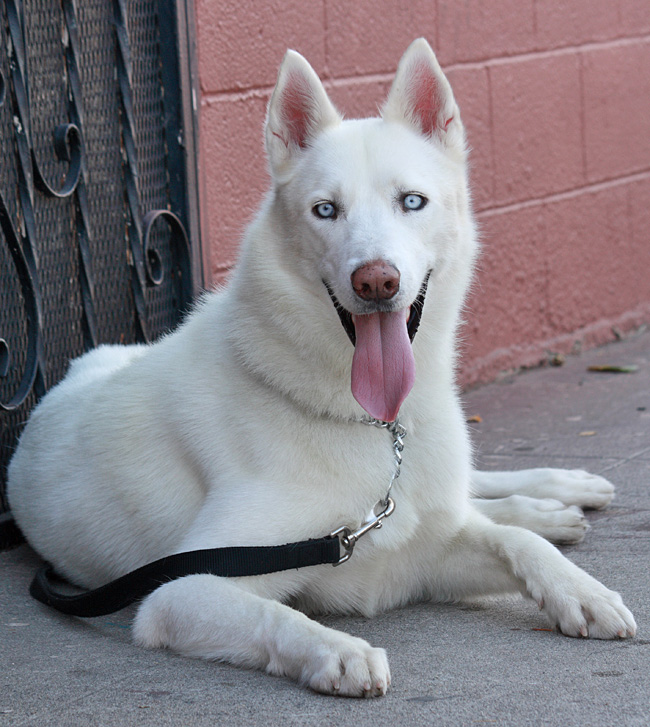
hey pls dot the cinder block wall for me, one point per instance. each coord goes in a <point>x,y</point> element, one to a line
<point>555,95</point>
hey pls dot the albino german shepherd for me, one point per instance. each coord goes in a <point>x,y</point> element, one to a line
<point>245,426</point>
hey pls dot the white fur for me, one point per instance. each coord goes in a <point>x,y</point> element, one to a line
<point>240,428</point>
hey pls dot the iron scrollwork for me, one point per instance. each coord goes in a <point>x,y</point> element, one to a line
<point>180,251</point>
<point>23,251</point>
<point>19,228</point>
<point>68,145</point>
<point>146,263</point>
<point>32,310</point>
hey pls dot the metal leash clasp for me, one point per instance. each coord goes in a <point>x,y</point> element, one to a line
<point>348,537</point>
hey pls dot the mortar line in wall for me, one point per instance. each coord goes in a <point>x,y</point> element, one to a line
<point>476,63</point>
<point>567,194</point>
<point>492,131</point>
<point>240,94</point>
<point>629,217</point>
<point>532,353</point>
<point>384,77</point>
<point>360,80</point>
<point>583,115</point>
<point>326,48</point>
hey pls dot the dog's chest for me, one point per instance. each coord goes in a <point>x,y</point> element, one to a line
<point>301,482</point>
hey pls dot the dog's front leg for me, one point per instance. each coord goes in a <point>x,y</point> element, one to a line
<point>214,618</point>
<point>486,558</point>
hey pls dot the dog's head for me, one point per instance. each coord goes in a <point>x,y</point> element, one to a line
<point>377,208</point>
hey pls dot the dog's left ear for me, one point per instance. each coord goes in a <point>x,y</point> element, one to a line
<point>422,97</point>
<point>298,110</point>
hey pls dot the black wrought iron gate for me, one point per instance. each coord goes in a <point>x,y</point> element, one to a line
<point>99,234</point>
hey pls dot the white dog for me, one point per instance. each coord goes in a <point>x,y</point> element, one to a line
<point>246,425</point>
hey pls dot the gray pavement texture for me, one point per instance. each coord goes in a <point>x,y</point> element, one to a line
<point>489,662</point>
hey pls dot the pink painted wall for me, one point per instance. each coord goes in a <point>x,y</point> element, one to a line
<point>555,95</point>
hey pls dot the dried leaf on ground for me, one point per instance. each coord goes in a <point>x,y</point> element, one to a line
<point>613,369</point>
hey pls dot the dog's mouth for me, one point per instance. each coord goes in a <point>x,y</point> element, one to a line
<point>412,322</point>
<point>383,367</point>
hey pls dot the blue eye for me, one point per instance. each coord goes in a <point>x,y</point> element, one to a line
<point>413,202</point>
<point>325,210</point>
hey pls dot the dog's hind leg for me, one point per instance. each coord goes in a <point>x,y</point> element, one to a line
<point>546,501</point>
<point>213,618</point>
<point>487,558</point>
<point>570,487</point>
<point>549,518</point>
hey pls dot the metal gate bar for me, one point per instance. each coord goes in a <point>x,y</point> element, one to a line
<point>98,186</point>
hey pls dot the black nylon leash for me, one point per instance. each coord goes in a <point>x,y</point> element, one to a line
<point>226,562</point>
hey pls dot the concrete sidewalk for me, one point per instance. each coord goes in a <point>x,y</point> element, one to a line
<point>487,663</point>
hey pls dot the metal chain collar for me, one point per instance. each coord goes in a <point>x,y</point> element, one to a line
<point>348,537</point>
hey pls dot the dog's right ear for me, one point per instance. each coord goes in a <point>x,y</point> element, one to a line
<point>421,97</point>
<point>299,109</point>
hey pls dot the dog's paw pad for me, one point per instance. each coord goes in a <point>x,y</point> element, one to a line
<point>567,526</point>
<point>592,612</point>
<point>351,671</point>
<point>550,518</point>
<point>577,487</point>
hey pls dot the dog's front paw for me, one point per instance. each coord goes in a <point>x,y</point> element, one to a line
<point>585,608</point>
<point>349,668</point>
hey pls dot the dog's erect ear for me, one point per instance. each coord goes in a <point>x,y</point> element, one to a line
<point>299,109</point>
<point>422,97</point>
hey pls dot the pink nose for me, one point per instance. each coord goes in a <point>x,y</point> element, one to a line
<point>376,280</point>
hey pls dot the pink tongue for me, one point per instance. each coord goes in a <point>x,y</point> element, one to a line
<point>383,368</point>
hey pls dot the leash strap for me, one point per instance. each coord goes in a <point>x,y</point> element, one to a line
<point>230,562</point>
<point>226,562</point>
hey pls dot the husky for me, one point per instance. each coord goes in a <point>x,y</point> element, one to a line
<point>251,423</point>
